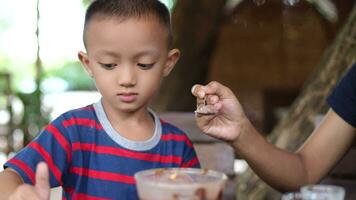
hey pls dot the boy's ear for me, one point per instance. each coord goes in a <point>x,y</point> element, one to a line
<point>173,56</point>
<point>83,57</point>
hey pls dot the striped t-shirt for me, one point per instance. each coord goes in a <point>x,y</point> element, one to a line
<point>90,160</point>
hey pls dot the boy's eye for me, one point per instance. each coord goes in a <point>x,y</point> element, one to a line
<point>145,66</point>
<point>108,66</point>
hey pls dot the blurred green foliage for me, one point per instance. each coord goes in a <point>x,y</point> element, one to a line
<point>4,24</point>
<point>35,118</point>
<point>86,2</point>
<point>73,73</point>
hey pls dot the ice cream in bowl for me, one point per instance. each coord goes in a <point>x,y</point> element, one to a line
<point>180,184</point>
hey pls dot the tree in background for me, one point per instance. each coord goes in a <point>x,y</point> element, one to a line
<point>34,118</point>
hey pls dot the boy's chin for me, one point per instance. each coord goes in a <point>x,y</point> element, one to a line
<point>130,108</point>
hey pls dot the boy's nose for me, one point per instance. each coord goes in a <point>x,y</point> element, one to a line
<point>127,77</point>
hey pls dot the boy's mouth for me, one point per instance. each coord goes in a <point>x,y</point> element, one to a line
<point>127,97</point>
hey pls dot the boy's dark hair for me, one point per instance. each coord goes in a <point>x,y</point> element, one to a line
<point>129,9</point>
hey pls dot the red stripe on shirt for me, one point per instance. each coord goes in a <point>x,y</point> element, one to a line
<point>47,157</point>
<point>108,176</point>
<point>69,190</point>
<point>81,196</point>
<point>81,122</point>
<point>61,139</point>
<point>163,122</point>
<point>126,153</point>
<point>22,165</point>
<point>176,137</point>
<point>89,108</point>
<point>191,163</point>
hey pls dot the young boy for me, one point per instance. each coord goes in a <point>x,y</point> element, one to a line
<point>93,152</point>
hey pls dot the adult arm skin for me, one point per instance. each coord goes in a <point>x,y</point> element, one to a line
<point>283,170</point>
<point>288,171</point>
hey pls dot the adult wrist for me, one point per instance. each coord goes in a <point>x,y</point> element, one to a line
<point>243,138</point>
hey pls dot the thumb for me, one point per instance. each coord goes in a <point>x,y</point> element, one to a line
<point>42,181</point>
<point>219,90</point>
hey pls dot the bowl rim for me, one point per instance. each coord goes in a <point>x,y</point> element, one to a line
<point>222,177</point>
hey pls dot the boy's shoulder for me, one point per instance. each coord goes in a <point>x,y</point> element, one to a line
<point>171,128</point>
<point>87,111</point>
<point>173,133</point>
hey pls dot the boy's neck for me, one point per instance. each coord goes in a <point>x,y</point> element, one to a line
<point>137,126</point>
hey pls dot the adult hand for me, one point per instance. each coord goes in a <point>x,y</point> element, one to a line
<point>225,119</point>
<point>41,189</point>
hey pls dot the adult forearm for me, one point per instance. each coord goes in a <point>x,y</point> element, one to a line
<point>9,181</point>
<point>279,168</point>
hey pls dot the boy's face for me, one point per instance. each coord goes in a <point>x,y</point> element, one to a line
<point>127,59</point>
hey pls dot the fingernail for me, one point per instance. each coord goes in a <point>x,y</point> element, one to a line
<point>193,88</point>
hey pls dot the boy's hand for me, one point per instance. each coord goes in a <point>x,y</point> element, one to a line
<point>225,119</point>
<point>41,190</point>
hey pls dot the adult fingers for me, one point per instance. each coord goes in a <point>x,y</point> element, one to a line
<point>207,105</point>
<point>198,91</point>
<point>212,88</point>
<point>218,89</point>
<point>212,99</point>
